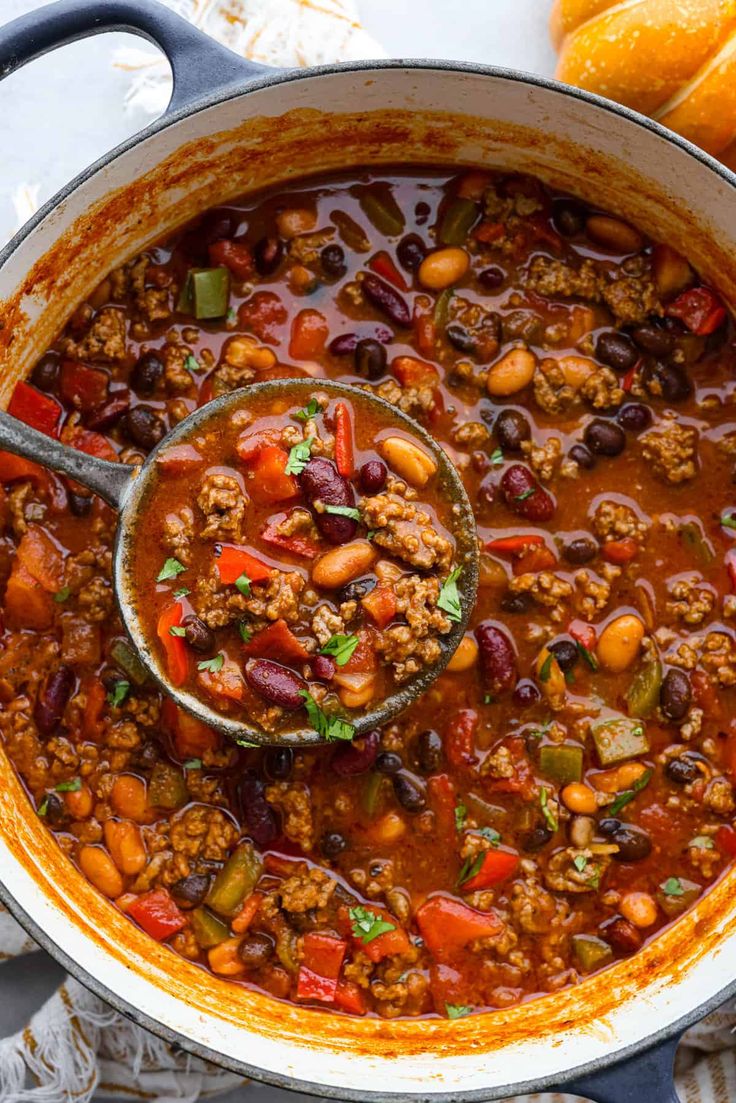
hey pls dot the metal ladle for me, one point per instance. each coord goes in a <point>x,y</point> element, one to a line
<point>127,488</point>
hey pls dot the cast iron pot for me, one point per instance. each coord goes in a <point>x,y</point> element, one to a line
<point>233,126</point>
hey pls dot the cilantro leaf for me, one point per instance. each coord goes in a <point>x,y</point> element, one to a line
<point>299,457</point>
<point>213,665</point>
<point>728,520</point>
<point>242,583</point>
<point>171,568</point>
<point>580,862</point>
<point>329,727</point>
<point>309,411</point>
<point>497,457</point>
<point>628,794</point>
<point>587,655</point>
<point>340,647</point>
<point>193,764</point>
<point>546,668</point>
<point>344,511</point>
<point>177,630</point>
<point>524,494</point>
<point>672,887</point>
<point>702,842</point>
<point>182,592</point>
<point>62,594</point>
<point>470,867</point>
<point>549,816</point>
<point>192,364</point>
<point>491,834</point>
<point>72,786</point>
<point>461,814</point>
<point>118,693</point>
<point>43,807</point>
<point>457,1010</point>
<point>244,631</point>
<point>449,597</point>
<point>367,924</point>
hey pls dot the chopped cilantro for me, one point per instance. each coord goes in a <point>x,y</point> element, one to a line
<point>344,511</point>
<point>118,693</point>
<point>72,786</point>
<point>580,862</point>
<point>497,457</point>
<point>242,583</point>
<point>43,807</point>
<point>171,568</point>
<point>449,598</point>
<point>370,534</point>
<point>340,647</point>
<point>329,727</point>
<point>728,520</point>
<point>177,630</point>
<point>246,742</point>
<point>192,364</point>
<point>193,764</point>
<point>309,411</point>
<point>62,594</point>
<point>367,924</point>
<point>213,665</point>
<point>299,457</point>
<point>628,794</point>
<point>470,867</point>
<point>524,494</point>
<point>487,698</point>
<point>549,816</point>
<point>672,887</point>
<point>491,834</point>
<point>546,668</point>
<point>457,1010</point>
<point>244,631</point>
<point>231,315</point>
<point>461,814</point>
<point>702,842</point>
<point>587,655</point>
<point>182,592</point>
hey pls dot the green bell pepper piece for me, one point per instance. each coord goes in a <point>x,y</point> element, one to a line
<point>123,656</point>
<point>561,762</point>
<point>167,787</point>
<point>642,696</point>
<point>236,880</point>
<point>353,235</point>
<point>457,221</point>
<point>676,894</point>
<point>372,795</point>
<point>378,204</point>
<point>694,540</point>
<point>206,293</point>
<point>592,952</point>
<point>208,930</point>
<point>619,739</point>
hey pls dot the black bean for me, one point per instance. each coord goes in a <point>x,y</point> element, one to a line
<point>617,350</point>
<point>343,344</point>
<point>526,694</point>
<point>411,251</point>
<point>569,216</point>
<point>320,481</point>
<point>258,816</point>
<point>581,549</point>
<point>373,475</point>
<point>682,770</point>
<point>80,504</point>
<point>197,634</point>
<point>428,751</point>
<point>45,375</point>
<point>409,792</point>
<point>388,763</point>
<point>582,456</point>
<point>147,371</point>
<point>217,226</point>
<point>278,763</point>
<point>604,438</point>
<point>671,381</point>
<point>53,698</point>
<point>386,299</point>
<point>535,839</point>
<point>144,427</point>
<point>356,757</point>
<point>634,416</point>
<point>459,337</point>
<point>332,259</point>
<point>512,429</point>
<point>56,812</point>
<point>370,359</point>
<point>267,255</point>
<point>189,892</point>
<point>354,591</point>
<point>332,844</point>
<point>256,950</point>
<point>675,694</point>
<point>633,844</point>
<point>653,339</point>
<point>609,825</point>
<point>422,211</point>
<point>516,603</point>
<point>566,654</point>
<point>491,277</point>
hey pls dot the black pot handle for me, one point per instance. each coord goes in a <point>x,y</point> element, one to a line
<point>647,1077</point>
<point>199,64</point>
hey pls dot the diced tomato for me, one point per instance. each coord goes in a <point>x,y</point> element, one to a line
<point>14,468</point>
<point>621,551</point>
<point>309,333</point>
<point>93,709</point>
<point>82,387</point>
<point>311,986</point>
<point>281,866</point>
<point>514,545</point>
<point>460,737</point>
<point>447,926</point>
<point>297,544</point>
<point>41,557</point>
<point>157,913</point>
<point>728,756</point>
<point>730,560</point>
<point>473,184</point>
<point>277,642</point>
<point>443,799</point>
<point>489,231</point>
<point>700,309</point>
<point>349,997</point>
<point>705,694</point>
<point>584,633</point>
<point>496,866</point>
<point>226,682</point>
<point>344,441</point>
<point>536,559</point>
<point>537,228</point>
<point>411,372</point>
<point>93,444</point>
<point>383,266</point>
<point>250,445</point>
<point>522,779</point>
<point>391,942</point>
<point>180,459</point>
<point>270,483</point>
<point>177,660</point>
<point>34,408</point>
<point>726,840</point>
<point>191,736</point>
<point>380,605</point>
<point>26,603</point>
<point>425,331</point>
<point>323,953</point>
<point>448,984</point>
<point>363,659</point>
<point>263,314</point>
<point>233,561</point>
<point>627,381</point>
<point>234,255</point>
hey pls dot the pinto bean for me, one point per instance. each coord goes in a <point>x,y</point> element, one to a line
<point>525,496</point>
<point>341,565</point>
<point>386,299</point>
<point>497,657</point>
<point>52,699</point>
<point>356,757</point>
<point>258,815</point>
<point>275,683</point>
<point>99,868</point>
<point>321,482</point>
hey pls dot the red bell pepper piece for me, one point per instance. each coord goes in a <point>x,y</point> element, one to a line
<point>226,682</point>
<point>425,331</point>
<point>447,926</point>
<point>13,468</point>
<point>82,387</point>
<point>363,659</point>
<point>411,372</point>
<point>443,800</point>
<point>700,309</point>
<point>309,333</point>
<point>344,441</point>
<point>297,544</point>
<point>726,840</point>
<point>26,603</point>
<point>621,551</point>
<point>489,231</point>
<point>277,642</point>
<point>180,459</point>
<point>349,997</point>
<point>514,545</point>
<point>628,380</point>
<point>263,314</point>
<point>93,444</point>
<point>157,914</point>
<point>705,695</point>
<point>383,266</point>
<point>93,710</point>
<point>41,557</point>
<point>270,483</point>
<point>234,255</point>
<point>730,561</point>
<point>386,944</point>
<point>320,968</point>
<point>535,559</point>
<point>191,736</point>
<point>177,661</point>
<point>460,737</point>
<point>234,561</point>
<point>583,633</point>
<point>34,408</point>
<point>496,866</point>
<point>380,605</point>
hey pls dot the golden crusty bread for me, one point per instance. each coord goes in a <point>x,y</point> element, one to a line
<point>672,59</point>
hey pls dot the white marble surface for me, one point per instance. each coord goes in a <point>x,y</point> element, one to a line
<point>65,110</point>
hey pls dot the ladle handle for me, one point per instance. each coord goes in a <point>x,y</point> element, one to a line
<point>109,480</point>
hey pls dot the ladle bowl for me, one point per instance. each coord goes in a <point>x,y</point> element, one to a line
<point>128,489</point>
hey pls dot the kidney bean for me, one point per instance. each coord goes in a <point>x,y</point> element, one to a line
<point>511,430</point>
<point>356,757</point>
<point>633,843</point>
<point>386,299</point>
<point>428,751</point>
<point>525,496</point>
<point>332,258</point>
<point>568,216</point>
<point>147,371</point>
<point>411,251</point>
<point>604,438</point>
<point>323,668</point>
<point>278,763</point>
<point>497,657</point>
<point>622,935</point>
<point>526,694</point>
<point>634,416</point>
<point>516,603</point>
<point>258,815</point>
<point>275,683</point>
<point>45,375</point>
<point>343,344</point>
<point>190,891</point>
<point>267,255</point>
<point>609,825</point>
<point>354,591</point>
<point>460,338</point>
<point>580,550</point>
<point>669,380</point>
<point>409,792</point>
<point>370,359</point>
<point>535,839</point>
<point>617,350</point>
<point>388,762</point>
<point>373,476</point>
<point>321,481</point>
<point>56,810</point>
<point>491,277</point>
<point>675,694</point>
<point>53,698</point>
<point>105,416</point>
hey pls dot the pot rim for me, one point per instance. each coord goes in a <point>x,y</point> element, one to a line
<point>292,1083</point>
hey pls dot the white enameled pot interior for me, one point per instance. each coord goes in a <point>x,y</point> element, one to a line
<point>334,120</point>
